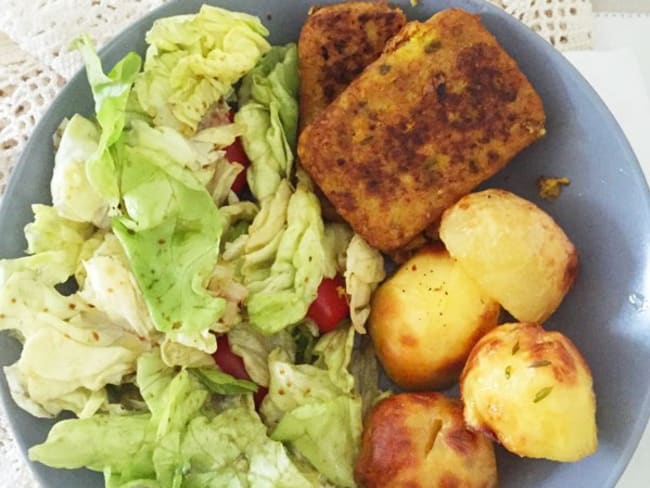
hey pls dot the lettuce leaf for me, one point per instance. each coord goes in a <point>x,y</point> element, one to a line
<point>182,236</point>
<point>283,297</point>
<point>336,242</point>
<point>72,195</point>
<point>315,408</point>
<point>183,441</point>
<point>188,350</point>
<point>365,370</point>
<point>55,245</point>
<point>111,93</point>
<point>78,443</point>
<point>254,349</point>
<point>233,450</point>
<point>364,270</point>
<point>269,114</point>
<point>51,232</point>
<point>222,383</point>
<point>193,61</point>
<point>70,352</point>
<point>110,286</point>
<point>153,379</point>
<point>264,235</point>
<point>327,434</point>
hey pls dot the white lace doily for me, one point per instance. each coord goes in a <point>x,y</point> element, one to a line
<point>35,63</point>
<point>566,24</point>
<point>35,60</point>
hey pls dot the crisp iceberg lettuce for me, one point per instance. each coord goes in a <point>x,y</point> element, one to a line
<point>183,441</point>
<point>70,352</point>
<point>111,93</point>
<point>364,271</point>
<point>72,195</point>
<point>111,287</point>
<point>193,61</point>
<point>172,248</point>
<point>254,349</point>
<point>269,114</point>
<point>55,244</point>
<point>283,296</point>
<point>315,408</point>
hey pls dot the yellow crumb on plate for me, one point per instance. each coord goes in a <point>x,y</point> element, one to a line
<point>550,188</point>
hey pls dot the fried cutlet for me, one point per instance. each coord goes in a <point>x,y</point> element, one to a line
<point>336,43</point>
<point>441,110</point>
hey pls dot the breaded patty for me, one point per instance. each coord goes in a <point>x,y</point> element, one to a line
<point>441,110</point>
<point>336,43</point>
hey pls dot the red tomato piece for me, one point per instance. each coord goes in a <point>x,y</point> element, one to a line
<point>228,361</point>
<point>231,363</point>
<point>331,304</point>
<point>235,154</point>
<point>259,395</point>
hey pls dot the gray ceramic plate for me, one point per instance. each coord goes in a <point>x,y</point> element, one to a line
<point>605,211</point>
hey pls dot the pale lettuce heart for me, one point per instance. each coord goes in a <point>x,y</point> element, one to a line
<point>193,61</point>
<point>111,287</point>
<point>268,113</point>
<point>280,295</point>
<point>364,270</point>
<point>70,352</point>
<point>72,195</point>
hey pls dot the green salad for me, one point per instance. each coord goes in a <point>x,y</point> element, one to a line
<point>173,295</point>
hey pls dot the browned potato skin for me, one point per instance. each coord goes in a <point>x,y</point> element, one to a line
<point>426,318</point>
<point>420,440</point>
<point>531,390</point>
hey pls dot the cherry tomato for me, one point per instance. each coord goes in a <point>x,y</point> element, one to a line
<point>228,361</point>
<point>231,363</point>
<point>235,154</point>
<point>331,304</point>
<point>259,395</point>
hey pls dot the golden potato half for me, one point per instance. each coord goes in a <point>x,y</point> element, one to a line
<point>513,249</point>
<point>425,319</point>
<point>532,391</point>
<point>420,440</point>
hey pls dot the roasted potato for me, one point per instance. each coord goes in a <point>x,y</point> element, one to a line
<point>532,391</point>
<point>513,249</point>
<point>425,319</point>
<point>420,440</point>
